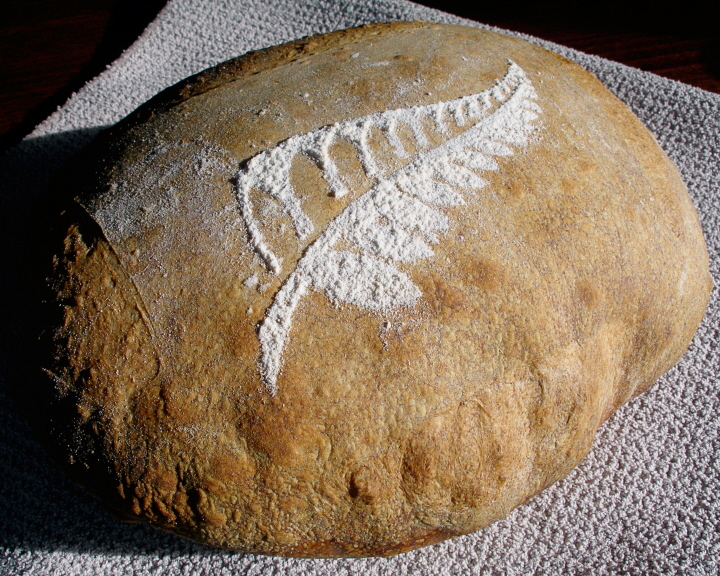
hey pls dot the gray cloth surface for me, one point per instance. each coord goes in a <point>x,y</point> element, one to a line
<point>646,499</point>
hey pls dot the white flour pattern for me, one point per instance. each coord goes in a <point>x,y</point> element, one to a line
<point>394,221</point>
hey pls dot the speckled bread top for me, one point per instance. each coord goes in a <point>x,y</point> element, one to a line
<point>362,292</point>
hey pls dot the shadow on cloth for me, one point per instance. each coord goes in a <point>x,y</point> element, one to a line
<point>40,508</point>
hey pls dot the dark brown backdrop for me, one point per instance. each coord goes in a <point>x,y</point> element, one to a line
<point>50,48</point>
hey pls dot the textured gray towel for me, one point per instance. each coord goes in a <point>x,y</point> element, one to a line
<point>645,501</point>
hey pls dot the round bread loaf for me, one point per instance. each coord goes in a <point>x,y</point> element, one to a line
<point>362,292</point>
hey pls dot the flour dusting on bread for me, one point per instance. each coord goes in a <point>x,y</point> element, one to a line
<point>391,222</point>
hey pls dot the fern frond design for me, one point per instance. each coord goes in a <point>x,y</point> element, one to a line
<point>398,219</point>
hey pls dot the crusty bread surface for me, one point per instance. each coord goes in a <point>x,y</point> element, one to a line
<point>376,341</point>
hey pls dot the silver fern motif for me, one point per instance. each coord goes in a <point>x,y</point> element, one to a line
<point>397,220</point>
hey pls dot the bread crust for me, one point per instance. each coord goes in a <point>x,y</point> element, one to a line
<point>558,292</point>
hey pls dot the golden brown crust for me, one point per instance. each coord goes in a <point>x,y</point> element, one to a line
<point>561,290</point>
<point>258,61</point>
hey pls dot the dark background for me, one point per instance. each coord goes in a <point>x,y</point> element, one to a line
<point>49,49</point>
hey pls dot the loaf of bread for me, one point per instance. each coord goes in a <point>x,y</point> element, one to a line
<point>362,292</point>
